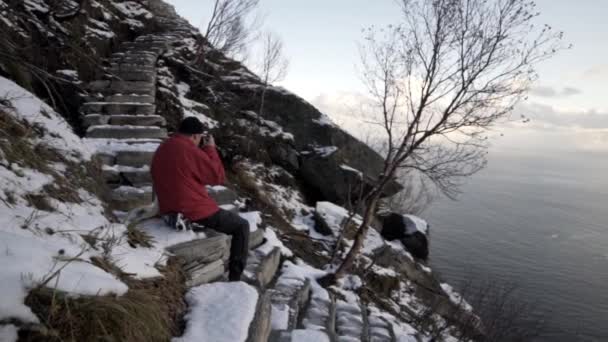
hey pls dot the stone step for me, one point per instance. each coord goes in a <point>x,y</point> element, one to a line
<point>259,328</point>
<point>256,238</point>
<point>125,175</point>
<point>127,198</point>
<point>133,120</point>
<point>301,335</point>
<point>118,108</point>
<point>198,252</point>
<point>117,87</point>
<point>205,273</point>
<point>289,297</point>
<point>134,54</point>
<point>379,330</point>
<point>130,98</point>
<point>125,132</point>
<point>320,314</point>
<point>116,68</point>
<point>351,322</point>
<point>145,76</point>
<point>262,267</point>
<point>126,158</point>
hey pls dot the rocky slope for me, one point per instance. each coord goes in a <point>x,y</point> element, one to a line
<point>88,90</point>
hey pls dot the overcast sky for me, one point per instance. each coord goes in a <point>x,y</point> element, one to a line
<point>568,106</point>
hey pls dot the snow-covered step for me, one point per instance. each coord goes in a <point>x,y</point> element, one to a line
<point>126,198</point>
<point>117,108</point>
<point>135,176</point>
<point>380,330</point>
<point>126,131</point>
<point>289,296</point>
<point>302,335</point>
<point>132,120</point>
<point>351,322</point>
<point>320,314</point>
<point>262,266</point>
<point>134,54</point>
<point>226,312</point>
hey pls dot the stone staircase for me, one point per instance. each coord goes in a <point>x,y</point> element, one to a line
<point>121,120</point>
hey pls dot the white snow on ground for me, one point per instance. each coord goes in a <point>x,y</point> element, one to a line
<point>254,218</point>
<point>273,241</point>
<point>33,110</point>
<point>219,312</point>
<point>132,9</point>
<point>456,298</point>
<point>192,108</point>
<point>325,151</point>
<point>8,333</point>
<point>308,335</point>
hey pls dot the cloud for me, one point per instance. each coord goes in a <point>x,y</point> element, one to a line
<point>543,91</point>
<point>545,116</point>
<point>596,72</point>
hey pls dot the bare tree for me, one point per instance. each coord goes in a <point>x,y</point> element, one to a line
<point>229,29</point>
<point>439,80</point>
<point>273,64</point>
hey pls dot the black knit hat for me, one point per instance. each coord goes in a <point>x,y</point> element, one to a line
<point>191,126</point>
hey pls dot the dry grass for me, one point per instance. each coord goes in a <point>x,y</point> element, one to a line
<point>149,311</point>
<point>137,237</point>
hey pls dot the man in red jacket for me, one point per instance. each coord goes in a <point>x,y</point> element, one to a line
<point>180,171</point>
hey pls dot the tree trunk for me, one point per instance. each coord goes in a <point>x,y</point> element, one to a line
<point>359,239</point>
<point>261,112</point>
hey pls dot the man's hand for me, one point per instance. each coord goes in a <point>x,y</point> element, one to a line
<point>209,141</point>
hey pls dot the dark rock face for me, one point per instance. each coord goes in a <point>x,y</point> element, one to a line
<point>398,227</point>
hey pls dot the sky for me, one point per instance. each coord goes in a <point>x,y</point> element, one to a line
<point>568,105</point>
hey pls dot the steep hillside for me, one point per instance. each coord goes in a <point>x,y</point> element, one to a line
<point>88,90</point>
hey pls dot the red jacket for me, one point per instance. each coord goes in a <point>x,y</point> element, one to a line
<point>180,170</point>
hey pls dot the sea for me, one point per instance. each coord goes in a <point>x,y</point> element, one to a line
<point>540,224</point>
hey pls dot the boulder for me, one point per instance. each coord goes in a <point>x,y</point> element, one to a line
<point>329,170</point>
<point>410,230</point>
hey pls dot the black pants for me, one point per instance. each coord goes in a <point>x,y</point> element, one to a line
<point>238,228</point>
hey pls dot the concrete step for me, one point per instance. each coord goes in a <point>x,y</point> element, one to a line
<point>126,175</point>
<point>118,108</point>
<point>262,267</point>
<point>127,198</point>
<point>125,132</point>
<point>126,157</point>
<point>133,120</point>
<point>320,314</point>
<point>379,330</point>
<point>351,322</point>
